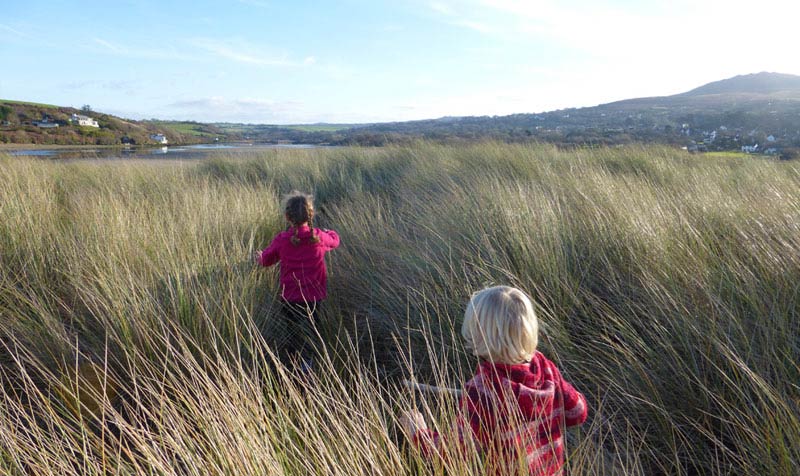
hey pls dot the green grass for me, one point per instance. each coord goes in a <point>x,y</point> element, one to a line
<point>726,155</point>
<point>26,103</point>
<point>187,128</point>
<point>666,285</point>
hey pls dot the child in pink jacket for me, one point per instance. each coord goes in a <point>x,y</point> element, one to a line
<point>303,276</point>
<point>517,405</point>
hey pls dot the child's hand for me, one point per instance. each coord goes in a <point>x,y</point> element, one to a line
<point>412,421</point>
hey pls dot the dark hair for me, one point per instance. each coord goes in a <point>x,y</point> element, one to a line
<point>299,208</point>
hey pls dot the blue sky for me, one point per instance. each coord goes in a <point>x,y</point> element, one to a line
<point>287,62</point>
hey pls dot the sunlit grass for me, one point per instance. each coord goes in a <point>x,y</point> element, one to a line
<point>667,287</point>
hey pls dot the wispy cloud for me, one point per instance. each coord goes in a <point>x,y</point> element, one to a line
<point>240,51</point>
<point>454,17</point>
<point>108,45</point>
<point>473,25</point>
<point>221,109</point>
<point>14,31</point>
<point>140,51</point>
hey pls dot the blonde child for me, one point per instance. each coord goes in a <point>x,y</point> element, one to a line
<point>303,275</point>
<point>516,406</point>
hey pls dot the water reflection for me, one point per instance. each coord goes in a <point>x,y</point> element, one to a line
<point>132,152</point>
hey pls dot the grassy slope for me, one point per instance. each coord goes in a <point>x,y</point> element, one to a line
<point>667,286</point>
<point>26,103</point>
<point>112,129</point>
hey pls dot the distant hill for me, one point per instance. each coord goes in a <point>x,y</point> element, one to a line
<point>761,83</point>
<point>760,109</point>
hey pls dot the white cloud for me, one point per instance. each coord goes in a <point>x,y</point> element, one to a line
<point>625,51</point>
<point>605,29</point>
<point>473,25</point>
<point>107,44</point>
<point>240,51</point>
<point>150,52</point>
<point>453,17</point>
<point>127,86</point>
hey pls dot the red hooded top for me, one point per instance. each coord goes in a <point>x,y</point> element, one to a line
<point>511,409</point>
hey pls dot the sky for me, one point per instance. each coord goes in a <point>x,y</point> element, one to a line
<point>356,61</point>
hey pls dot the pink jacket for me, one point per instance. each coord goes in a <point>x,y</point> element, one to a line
<point>303,275</point>
<point>513,409</point>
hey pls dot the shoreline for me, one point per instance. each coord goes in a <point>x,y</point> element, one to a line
<point>16,146</point>
<point>81,146</point>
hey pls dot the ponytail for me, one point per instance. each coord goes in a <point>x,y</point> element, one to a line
<point>314,237</point>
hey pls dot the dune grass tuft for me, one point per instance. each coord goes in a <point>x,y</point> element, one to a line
<point>137,337</point>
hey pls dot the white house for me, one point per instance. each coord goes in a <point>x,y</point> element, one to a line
<point>770,138</point>
<point>83,121</point>
<point>160,138</point>
<point>750,149</point>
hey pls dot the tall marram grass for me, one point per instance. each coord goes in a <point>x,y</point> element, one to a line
<point>138,338</point>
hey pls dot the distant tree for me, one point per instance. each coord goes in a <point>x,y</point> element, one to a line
<point>5,111</point>
<point>790,154</point>
<point>86,108</point>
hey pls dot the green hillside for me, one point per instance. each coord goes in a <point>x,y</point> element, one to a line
<point>32,123</point>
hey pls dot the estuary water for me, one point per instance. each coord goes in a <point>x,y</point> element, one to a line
<point>181,152</point>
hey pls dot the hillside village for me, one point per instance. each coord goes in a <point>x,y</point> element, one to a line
<point>28,123</point>
<point>694,137</point>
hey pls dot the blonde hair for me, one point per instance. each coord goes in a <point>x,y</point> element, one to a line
<point>500,325</point>
<point>299,209</point>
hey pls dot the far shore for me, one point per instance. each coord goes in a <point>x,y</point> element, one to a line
<point>4,146</point>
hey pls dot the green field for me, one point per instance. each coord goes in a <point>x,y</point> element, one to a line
<point>132,318</point>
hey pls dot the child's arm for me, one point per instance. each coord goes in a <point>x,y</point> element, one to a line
<point>424,439</point>
<point>429,442</point>
<point>573,402</point>
<point>575,407</point>
<point>270,255</point>
<point>329,239</point>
